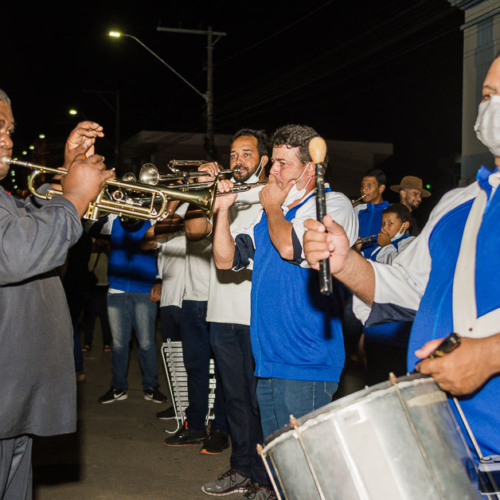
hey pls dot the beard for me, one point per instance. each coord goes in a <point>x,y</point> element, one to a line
<point>244,175</point>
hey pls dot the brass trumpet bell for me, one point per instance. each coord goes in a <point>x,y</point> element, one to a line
<point>122,201</point>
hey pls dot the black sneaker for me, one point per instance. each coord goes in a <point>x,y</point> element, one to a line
<point>256,491</point>
<point>215,443</point>
<point>167,414</point>
<point>229,482</point>
<point>113,395</point>
<point>154,395</point>
<point>185,437</point>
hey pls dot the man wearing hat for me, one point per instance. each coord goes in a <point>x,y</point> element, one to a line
<point>411,193</point>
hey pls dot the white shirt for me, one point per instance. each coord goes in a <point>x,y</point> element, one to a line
<point>229,293</point>
<point>171,260</point>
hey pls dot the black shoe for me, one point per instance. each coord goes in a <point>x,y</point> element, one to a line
<point>113,395</point>
<point>185,437</point>
<point>153,394</point>
<point>215,443</point>
<point>167,414</point>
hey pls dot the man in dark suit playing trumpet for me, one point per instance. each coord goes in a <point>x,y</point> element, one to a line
<point>38,385</point>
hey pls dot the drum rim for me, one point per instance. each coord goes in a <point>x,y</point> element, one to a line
<point>314,418</point>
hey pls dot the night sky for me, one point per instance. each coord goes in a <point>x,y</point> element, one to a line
<point>390,71</point>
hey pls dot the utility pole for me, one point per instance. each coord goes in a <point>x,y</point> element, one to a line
<point>116,110</point>
<point>209,96</point>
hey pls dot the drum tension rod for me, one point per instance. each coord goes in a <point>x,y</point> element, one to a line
<point>394,383</point>
<point>262,455</point>
<point>294,424</point>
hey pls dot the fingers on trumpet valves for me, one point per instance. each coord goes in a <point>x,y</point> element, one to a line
<point>225,186</point>
<point>212,169</point>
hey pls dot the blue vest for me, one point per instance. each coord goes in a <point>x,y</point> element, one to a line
<point>296,332</point>
<point>130,269</point>
<point>434,318</point>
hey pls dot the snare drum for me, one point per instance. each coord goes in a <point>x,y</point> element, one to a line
<point>392,441</point>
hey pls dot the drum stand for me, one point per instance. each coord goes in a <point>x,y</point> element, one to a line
<point>171,353</point>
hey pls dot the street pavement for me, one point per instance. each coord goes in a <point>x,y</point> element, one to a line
<point>118,451</point>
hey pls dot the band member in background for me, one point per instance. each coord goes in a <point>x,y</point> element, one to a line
<point>370,211</point>
<point>411,192</point>
<point>229,314</point>
<point>36,338</point>
<point>386,345</point>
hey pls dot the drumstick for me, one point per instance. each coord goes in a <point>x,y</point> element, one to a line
<point>317,150</point>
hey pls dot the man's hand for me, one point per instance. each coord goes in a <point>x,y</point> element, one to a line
<point>383,239</point>
<point>226,201</point>
<point>272,194</point>
<point>326,241</point>
<point>465,369</point>
<point>155,294</point>
<point>81,140</point>
<point>84,180</point>
<point>358,245</point>
<point>212,169</point>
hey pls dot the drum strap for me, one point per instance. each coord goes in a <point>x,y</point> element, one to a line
<point>465,320</point>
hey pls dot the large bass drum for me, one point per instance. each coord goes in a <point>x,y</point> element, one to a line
<point>397,440</point>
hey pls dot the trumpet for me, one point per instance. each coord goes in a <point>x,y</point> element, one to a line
<point>356,202</point>
<point>120,202</point>
<point>368,239</point>
<point>149,174</point>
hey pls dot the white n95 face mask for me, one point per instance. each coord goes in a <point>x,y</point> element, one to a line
<point>294,194</point>
<point>487,125</point>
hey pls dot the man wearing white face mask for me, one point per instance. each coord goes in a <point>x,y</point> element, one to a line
<point>228,312</point>
<point>447,280</point>
<point>296,332</point>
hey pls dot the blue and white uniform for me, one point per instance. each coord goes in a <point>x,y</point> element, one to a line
<point>296,332</point>
<point>447,280</point>
<point>370,222</point>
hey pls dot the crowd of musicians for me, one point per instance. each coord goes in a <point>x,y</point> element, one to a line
<point>241,286</point>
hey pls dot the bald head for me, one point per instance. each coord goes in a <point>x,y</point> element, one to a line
<point>4,98</point>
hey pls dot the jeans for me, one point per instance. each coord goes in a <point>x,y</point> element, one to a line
<point>280,398</point>
<point>127,311</point>
<point>233,354</point>
<point>196,350</point>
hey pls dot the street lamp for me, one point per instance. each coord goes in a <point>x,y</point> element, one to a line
<point>208,97</point>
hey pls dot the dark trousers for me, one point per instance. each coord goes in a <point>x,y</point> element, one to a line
<point>197,353</point>
<point>96,306</point>
<point>15,468</point>
<point>170,321</point>
<point>382,359</point>
<point>233,353</point>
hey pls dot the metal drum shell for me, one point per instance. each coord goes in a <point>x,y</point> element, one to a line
<point>363,447</point>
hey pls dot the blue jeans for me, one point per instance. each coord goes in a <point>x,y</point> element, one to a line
<point>280,398</point>
<point>197,353</point>
<point>233,354</point>
<point>127,311</point>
